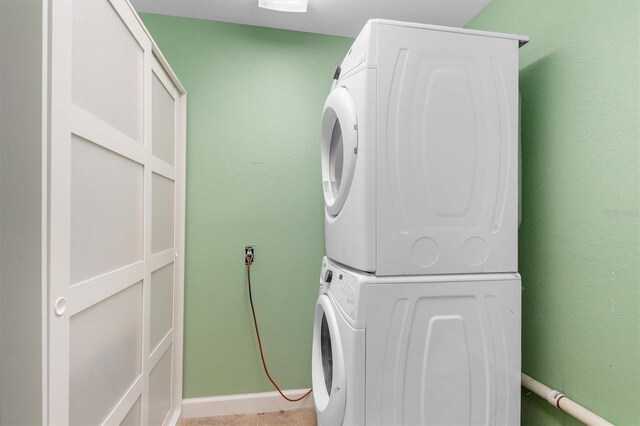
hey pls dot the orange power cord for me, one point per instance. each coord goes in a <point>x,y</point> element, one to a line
<point>255,323</point>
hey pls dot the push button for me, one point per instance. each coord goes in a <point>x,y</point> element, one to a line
<point>328,275</point>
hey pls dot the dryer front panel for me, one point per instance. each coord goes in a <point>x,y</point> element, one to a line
<point>350,211</point>
<point>443,353</point>
<point>447,157</point>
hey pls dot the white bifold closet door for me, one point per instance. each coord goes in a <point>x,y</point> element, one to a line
<point>116,173</point>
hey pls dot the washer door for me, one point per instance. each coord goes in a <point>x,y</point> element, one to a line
<point>327,365</point>
<point>339,148</point>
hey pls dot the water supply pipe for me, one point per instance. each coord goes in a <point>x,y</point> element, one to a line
<point>560,401</point>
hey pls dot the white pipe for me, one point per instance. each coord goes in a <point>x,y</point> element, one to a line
<point>560,401</point>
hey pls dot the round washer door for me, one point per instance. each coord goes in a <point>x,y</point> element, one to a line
<point>339,148</point>
<point>327,365</point>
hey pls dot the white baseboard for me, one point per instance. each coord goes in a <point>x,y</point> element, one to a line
<point>243,404</point>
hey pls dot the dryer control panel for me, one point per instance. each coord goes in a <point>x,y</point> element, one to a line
<point>343,286</point>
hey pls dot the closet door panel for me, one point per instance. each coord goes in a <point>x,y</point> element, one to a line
<point>162,214</point>
<point>161,304</point>
<point>160,390</point>
<point>107,67</point>
<point>163,250</point>
<point>106,210</point>
<point>105,355</point>
<point>97,193</point>
<point>164,126</point>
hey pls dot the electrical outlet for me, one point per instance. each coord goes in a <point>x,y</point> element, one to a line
<point>249,252</point>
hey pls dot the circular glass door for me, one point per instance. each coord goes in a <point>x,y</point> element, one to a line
<point>327,365</point>
<point>326,354</point>
<point>339,148</point>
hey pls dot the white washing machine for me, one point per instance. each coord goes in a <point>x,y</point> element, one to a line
<point>416,350</point>
<point>420,152</point>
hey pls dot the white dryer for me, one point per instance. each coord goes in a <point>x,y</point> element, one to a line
<point>420,151</point>
<point>416,350</point>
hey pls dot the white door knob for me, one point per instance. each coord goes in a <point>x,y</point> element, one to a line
<point>61,306</point>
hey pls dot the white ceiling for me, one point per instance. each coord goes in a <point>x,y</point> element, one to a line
<point>334,17</point>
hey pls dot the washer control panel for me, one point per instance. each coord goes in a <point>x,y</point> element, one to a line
<point>343,286</point>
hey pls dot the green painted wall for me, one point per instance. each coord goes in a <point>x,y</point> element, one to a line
<point>580,233</point>
<point>255,98</point>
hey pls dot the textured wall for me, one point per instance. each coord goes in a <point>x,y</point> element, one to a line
<point>579,239</point>
<point>255,99</point>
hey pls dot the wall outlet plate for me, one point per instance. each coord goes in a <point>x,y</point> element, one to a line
<point>249,251</point>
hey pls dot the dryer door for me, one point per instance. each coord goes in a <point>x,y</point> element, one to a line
<point>327,365</point>
<point>339,148</point>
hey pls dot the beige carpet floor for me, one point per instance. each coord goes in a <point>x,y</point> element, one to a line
<point>300,417</point>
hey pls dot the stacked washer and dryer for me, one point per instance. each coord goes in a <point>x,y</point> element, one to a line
<point>418,318</point>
